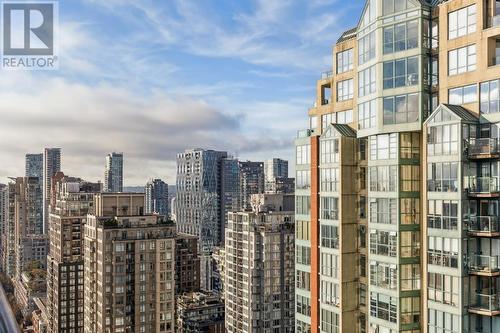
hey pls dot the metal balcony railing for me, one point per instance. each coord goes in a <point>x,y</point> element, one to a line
<point>486,224</point>
<point>486,302</point>
<point>484,263</point>
<point>483,185</point>
<point>483,147</point>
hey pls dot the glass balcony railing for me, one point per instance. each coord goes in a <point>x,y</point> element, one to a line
<point>483,147</point>
<point>486,302</point>
<point>326,75</point>
<point>483,185</point>
<point>304,133</point>
<point>483,263</point>
<point>486,224</point>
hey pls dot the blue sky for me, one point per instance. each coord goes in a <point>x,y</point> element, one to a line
<point>151,78</point>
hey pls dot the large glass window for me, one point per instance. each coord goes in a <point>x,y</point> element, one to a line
<point>401,73</point>
<point>383,243</point>
<point>410,178</point>
<point>490,98</point>
<point>410,277</point>
<point>329,151</point>
<point>463,95</point>
<point>440,321</point>
<point>462,22</point>
<point>401,36</point>
<point>383,178</point>
<point>410,310</point>
<point>329,236</point>
<point>302,255</point>
<point>302,280</point>
<point>303,154</point>
<point>303,305</point>
<point>344,61</point>
<point>442,214</point>
<point>384,275</point>
<point>410,145</point>
<point>329,179</point>
<point>442,140</point>
<point>384,307</point>
<point>396,6</point>
<point>330,293</point>
<point>302,204</point>
<point>367,114</point>
<point>443,288</point>
<point>303,179</point>
<point>410,210</point>
<point>329,208</point>
<point>329,321</point>
<point>383,147</point>
<point>442,177</point>
<point>410,244</point>
<point>302,229</point>
<point>443,251</point>
<point>383,210</point>
<point>345,90</point>
<point>366,48</point>
<point>367,81</point>
<point>401,109</point>
<point>344,117</point>
<point>462,60</point>
<point>329,265</point>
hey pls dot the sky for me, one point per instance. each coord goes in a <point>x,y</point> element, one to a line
<point>151,78</point>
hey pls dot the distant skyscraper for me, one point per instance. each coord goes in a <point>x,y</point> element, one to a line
<point>34,166</point>
<point>259,266</point>
<point>4,207</point>
<point>51,165</point>
<point>157,199</point>
<point>113,175</point>
<point>230,187</point>
<point>274,168</point>
<point>251,179</point>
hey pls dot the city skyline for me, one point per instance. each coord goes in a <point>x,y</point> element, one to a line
<point>161,75</point>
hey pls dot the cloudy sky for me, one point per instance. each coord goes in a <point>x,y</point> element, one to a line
<point>152,78</point>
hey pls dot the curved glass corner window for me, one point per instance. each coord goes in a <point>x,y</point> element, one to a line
<point>401,109</point>
<point>366,48</point>
<point>367,114</point>
<point>401,73</point>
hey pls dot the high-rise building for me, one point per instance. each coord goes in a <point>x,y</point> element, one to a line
<point>187,264</point>
<point>9,235</point>
<point>73,200</point>
<point>157,199</point>
<point>34,166</point>
<point>274,168</point>
<point>230,186</point>
<point>259,266</point>
<point>251,181</point>
<point>51,165</point>
<point>129,278</point>
<point>4,207</point>
<point>113,174</point>
<point>397,183</point>
<point>200,312</point>
<point>218,271</point>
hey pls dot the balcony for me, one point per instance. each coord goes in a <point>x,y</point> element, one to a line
<point>304,133</point>
<point>485,304</point>
<point>483,148</point>
<point>484,265</point>
<point>483,226</point>
<point>326,75</point>
<point>483,187</point>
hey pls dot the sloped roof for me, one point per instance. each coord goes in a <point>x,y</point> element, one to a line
<point>348,34</point>
<point>456,110</point>
<point>344,130</point>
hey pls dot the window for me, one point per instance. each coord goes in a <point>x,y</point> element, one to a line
<point>410,277</point>
<point>327,119</point>
<point>329,179</point>
<point>303,305</point>
<point>329,265</point>
<point>410,211</point>
<point>401,73</point>
<point>302,229</point>
<point>302,327</point>
<point>302,255</point>
<point>462,22</point>
<point>329,151</point>
<point>383,178</point>
<point>440,321</point>
<point>400,37</point>
<point>410,310</point>
<point>345,90</point>
<point>383,147</point>
<point>383,307</point>
<point>370,13</point>
<point>329,321</point>
<point>442,214</point>
<point>401,109</point>
<point>463,95</point>
<point>395,6</point>
<point>344,117</point>
<point>410,178</point>
<point>490,98</point>
<point>443,288</point>
<point>344,61</point>
<point>329,208</point>
<point>410,244</point>
<point>410,145</point>
<point>367,114</point>
<point>442,140</point>
<point>302,204</point>
<point>443,251</point>
<point>303,180</point>
<point>383,210</point>
<point>330,236</point>
<point>303,280</point>
<point>383,243</point>
<point>384,275</point>
<point>462,60</point>
<point>367,81</point>
<point>442,177</point>
<point>330,293</point>
<point>303,154</point>
<point>366,48</point>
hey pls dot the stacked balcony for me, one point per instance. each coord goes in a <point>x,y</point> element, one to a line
<point>480,149</point>
<point>483,187</point>
<point>484,265</point>
<point>483,226</point>
<point>486,304</point>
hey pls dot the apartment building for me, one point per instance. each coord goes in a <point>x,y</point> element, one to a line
<point>259,266</point>
<point>73,199</point>
<point>200,312</point>
<point>157,197</point>
<point>129,265</point>
<point>187,264</point>
<point>113,173</point>
<point>51,165</point>
<point>397,174</point>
